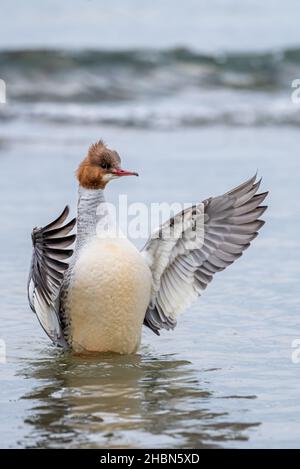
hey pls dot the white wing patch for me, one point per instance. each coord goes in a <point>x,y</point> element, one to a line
<point>189,249</point>
<point>47,273</point>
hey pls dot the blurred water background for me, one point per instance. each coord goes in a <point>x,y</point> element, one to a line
<point>196,98</point>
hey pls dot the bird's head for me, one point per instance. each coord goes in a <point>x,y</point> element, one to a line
<point>100,166</point>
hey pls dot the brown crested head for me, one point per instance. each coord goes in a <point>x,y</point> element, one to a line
<point>100,166</point>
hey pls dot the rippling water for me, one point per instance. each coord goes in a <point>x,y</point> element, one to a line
<point>151,88</point>
<point>225,376</point>
<point>195,112</point>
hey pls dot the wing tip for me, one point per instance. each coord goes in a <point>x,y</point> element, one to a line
<point>261,224</point>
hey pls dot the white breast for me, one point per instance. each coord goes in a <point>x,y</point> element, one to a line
<point>108,297</point>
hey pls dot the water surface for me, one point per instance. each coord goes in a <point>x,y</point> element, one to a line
<point>225,376</point>
<point>196,110</point>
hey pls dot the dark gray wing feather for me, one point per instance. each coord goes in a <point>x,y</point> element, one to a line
<point>205,239</point>
<point>48,266</point>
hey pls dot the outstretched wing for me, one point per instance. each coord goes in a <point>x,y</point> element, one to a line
<point>189,249</point>
<point>47,271</point>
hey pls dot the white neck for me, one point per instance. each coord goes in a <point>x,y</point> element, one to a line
<point>88,213</point>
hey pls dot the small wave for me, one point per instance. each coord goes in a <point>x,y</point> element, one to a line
<point>150,89</point>
<point>169,115</point>
<point>101,76</point>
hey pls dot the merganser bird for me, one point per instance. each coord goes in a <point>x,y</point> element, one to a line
<point>97,298</point>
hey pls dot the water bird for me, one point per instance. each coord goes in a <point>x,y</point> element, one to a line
<point>97,296</point>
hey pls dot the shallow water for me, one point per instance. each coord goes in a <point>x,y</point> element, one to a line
<point>196,110</point>
<point>225,376</point>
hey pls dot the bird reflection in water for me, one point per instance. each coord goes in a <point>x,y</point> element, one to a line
<point>123,401</point>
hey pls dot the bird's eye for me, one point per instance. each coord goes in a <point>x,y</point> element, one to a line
<point>105,165</point>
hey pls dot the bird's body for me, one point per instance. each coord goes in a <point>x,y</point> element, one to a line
<point>107,297</point>
<point>107,287</point>
<point>99,300</point>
